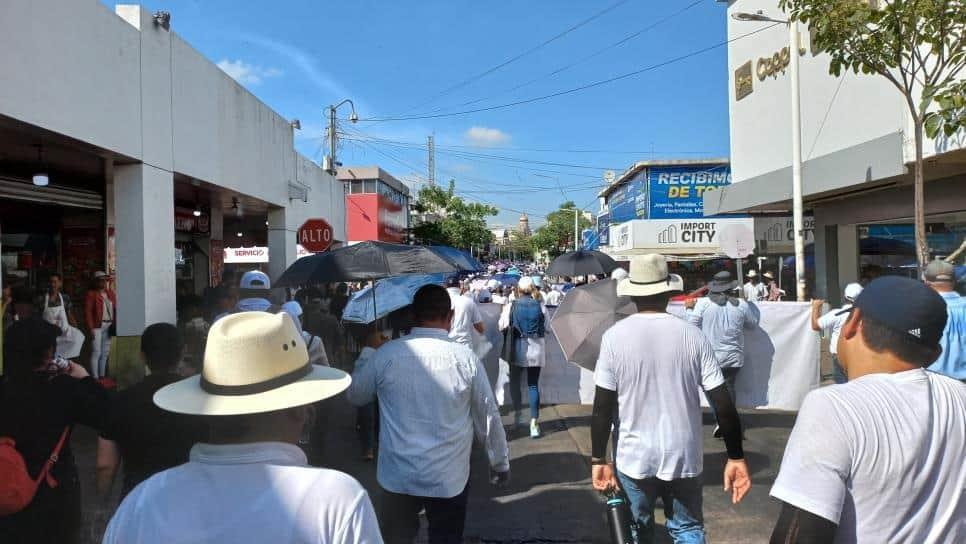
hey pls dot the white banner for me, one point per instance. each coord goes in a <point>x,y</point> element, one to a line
<point>781,361</point>
<point>672,236</point>
<point>256,254</point>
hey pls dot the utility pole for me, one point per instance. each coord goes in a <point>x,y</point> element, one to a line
<point>332,164</point>
<point>431,145</point>
<point>576,229</point>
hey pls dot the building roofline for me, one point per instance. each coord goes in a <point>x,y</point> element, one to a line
<point>347,173</point>
<point>640,165</point>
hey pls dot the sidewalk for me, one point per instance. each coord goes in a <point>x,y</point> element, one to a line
<point>550,498</point>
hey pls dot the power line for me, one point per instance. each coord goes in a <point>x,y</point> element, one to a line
<point>575,89</point>
<point>519,56</point>
<point>597,53</point>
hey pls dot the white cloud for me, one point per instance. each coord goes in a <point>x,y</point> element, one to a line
<point>486,137</point>
<point>306,63</point>
<point>245,73</point>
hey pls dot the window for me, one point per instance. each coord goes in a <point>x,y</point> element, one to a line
<point>370,186</point>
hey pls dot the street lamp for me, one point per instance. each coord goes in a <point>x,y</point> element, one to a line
<point>576,227</point>
<point>332,163</point>
<point>797,206</point>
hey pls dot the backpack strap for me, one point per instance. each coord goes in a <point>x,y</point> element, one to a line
<point>52,460</point>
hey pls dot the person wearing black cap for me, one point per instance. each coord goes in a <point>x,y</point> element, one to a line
<point>724,318</point>
<point>879,459</point>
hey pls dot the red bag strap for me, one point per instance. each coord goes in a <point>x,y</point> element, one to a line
<point>54,456</point>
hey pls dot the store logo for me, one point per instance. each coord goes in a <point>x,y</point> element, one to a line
<point>623,235</point>
<point>668,235</point>
<point>743,81</point>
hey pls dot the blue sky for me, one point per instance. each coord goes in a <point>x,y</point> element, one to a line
<point>395,59</point>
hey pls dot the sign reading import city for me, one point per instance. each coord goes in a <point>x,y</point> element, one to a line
<point>674,236</point>
<point>677,192</point>
<point>315,235</point>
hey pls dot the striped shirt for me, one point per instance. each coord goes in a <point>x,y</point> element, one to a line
<point>433,395</point>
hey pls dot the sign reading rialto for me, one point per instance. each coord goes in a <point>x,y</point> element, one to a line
<point>677,192</point>
<point>315,235</point>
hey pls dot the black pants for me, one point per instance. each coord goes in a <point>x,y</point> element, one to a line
<point>400,517</point>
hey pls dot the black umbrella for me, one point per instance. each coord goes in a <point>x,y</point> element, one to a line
<point>365,261</point>
<point>461,259</point>
<point>581,263</point>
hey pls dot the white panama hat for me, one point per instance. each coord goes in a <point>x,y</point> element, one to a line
<point>649,276</point>
<point>751,274</point>
<point>255,362</point>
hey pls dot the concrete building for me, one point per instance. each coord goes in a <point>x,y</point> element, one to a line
<point>523,226</point>
<point>156,159</point>
<point>857,147</point>
<point>377,205</point>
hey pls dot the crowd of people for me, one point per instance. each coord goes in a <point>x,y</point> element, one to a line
<point>215,450</point>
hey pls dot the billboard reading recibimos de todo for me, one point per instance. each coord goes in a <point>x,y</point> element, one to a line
<point>677,192</point>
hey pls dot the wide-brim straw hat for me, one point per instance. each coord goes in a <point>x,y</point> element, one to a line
<point>768,275</point>
<point>254,362</point>
<point>649,276</point>
<point>751,274</point>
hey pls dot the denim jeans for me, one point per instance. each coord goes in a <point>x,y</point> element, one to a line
<point>533,388</point>
<point>682,507</point>
<point>366,422</point>
<point>838,373</point>
<point>399,517</point>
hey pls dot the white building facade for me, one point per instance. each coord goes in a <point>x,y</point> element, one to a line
<point>857,151</point>
<point>168,158</point>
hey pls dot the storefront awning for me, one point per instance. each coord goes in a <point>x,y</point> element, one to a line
<point>61,196</point>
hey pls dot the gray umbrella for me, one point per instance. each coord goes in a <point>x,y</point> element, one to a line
<point>583,317</point>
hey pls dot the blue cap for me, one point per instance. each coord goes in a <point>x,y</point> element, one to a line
<point>904,305</point>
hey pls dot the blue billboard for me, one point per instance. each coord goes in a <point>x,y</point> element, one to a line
<point>677,192</point>
<point>603,229</point>
<point>629,201</point>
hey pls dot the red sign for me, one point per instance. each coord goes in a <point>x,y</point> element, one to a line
<point>315,235</point>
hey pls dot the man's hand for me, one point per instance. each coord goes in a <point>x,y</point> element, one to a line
<point>75,370</point>
<point>500,479</point>
<point>817,303</point>
<point>736,479</point>
<point>690,302</point>
<point>604,478</point>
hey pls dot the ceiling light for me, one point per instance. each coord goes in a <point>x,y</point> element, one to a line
<point>237,206</point>
<point>41,180</point>
<point>240,235</point>
<point>197,212</point>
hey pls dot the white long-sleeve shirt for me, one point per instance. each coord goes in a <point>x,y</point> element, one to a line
<point>724,326</point>
<point>433,395</point>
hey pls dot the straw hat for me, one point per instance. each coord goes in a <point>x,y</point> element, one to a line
<point>254,362</point>
<point>649,276</point>
<point>751,274</point>
<point>768,275</point>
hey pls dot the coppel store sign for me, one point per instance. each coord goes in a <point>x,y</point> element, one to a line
<point>677,192</point>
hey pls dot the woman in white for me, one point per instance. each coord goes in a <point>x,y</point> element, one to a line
<point>527,324</point>
<point>71,340</point>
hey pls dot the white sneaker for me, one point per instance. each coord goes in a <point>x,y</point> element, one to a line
<point>534,429</point>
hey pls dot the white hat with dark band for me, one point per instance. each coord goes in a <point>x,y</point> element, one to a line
<point>649,276</point>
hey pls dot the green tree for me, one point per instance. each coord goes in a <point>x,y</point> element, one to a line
<point>556,236</point>
<point>916,45</point>
<point>521,245</point>
<point>459,223</point>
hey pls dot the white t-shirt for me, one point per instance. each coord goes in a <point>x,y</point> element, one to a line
<point>881,456</point>
<point>831,325</point>
<point>553,297</point>
<point>465,315</point>
<point>658,364</point>
<point>258,492</point>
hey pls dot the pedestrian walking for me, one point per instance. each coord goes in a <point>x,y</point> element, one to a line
<point>774,292</point>
<point>57,311</point>
<point>652,369</point>
<point>831,325</point>
<point>147,438</point>
<point>466,315</point>
<point>528,327</point>
<point>433,396</point>
<point>100,312</point>
<point>371,337</point>
<point>250,482</point>
<point>724,319</point>
<point>879,459</point>
<point>42,397</point>
<point>941,277</point>
<point>753,289</point>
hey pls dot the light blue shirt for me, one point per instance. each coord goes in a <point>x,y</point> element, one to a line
<point>433,395</point>
<point>724,326</point>
<point>952,362</point>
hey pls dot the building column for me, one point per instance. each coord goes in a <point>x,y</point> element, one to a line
<point>281,242</point>
<point>144,232</point>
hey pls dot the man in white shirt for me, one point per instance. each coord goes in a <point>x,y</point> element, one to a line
<point>753,289</point>
<point>831,324</point>
<point>250,482</point>
<point>466,316</point>
<point>652,368</point>
<point>880,458</point>
<point>552,297</point>
<point>433,396</point>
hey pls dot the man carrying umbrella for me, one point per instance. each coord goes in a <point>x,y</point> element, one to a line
<point>652,368</point>
<point>724,319</point>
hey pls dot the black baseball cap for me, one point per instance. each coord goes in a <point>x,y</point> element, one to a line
<point>904,305</point>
